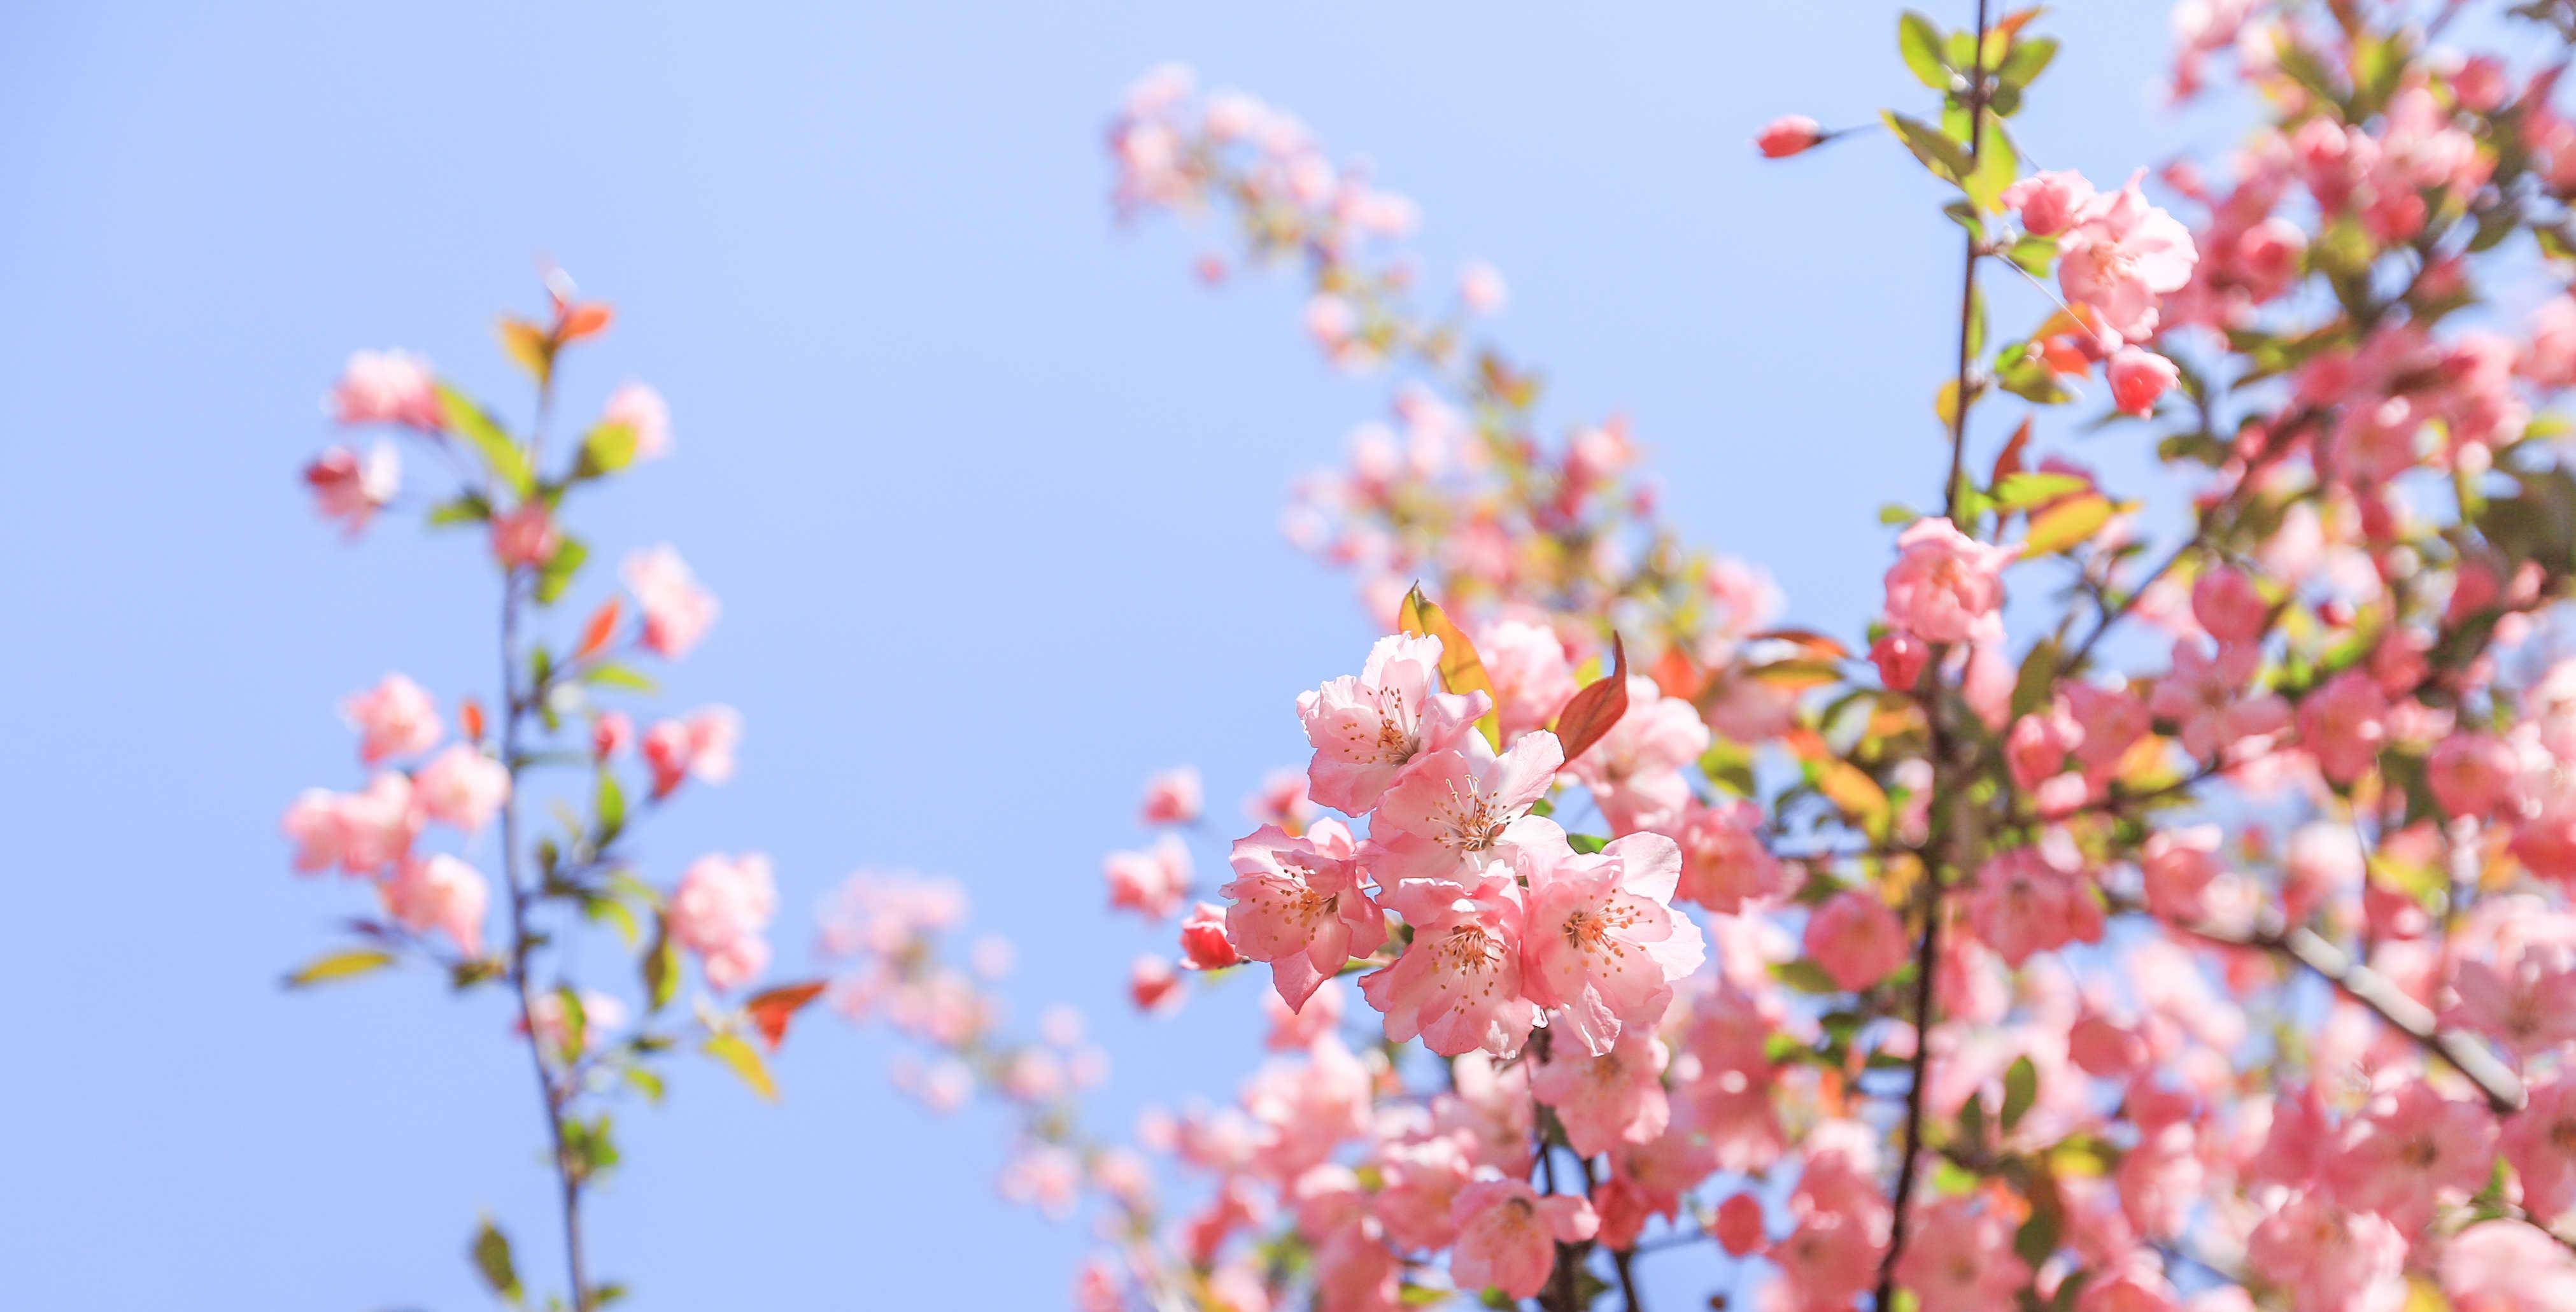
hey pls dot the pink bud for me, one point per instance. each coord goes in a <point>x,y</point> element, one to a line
<point>2228,606</point>
<point>1788,135</point>
<point>1899,657</point>
<point>1153,985</point>
<point>1204,945</point>
<point>1739,1224</point>
<point>2138,377</point>
<point>2048,202</point>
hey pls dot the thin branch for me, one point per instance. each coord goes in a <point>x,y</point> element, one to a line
<point>2353,979</point>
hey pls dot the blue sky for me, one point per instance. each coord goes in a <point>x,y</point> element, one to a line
<point>987,485</point>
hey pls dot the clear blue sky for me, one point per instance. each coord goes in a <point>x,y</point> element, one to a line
<point>988,489</point>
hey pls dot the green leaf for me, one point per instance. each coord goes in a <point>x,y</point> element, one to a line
<point>465,508</point>
<point>610,674</point>
<point>557,575</point>
<point>608,806</point>
<point>743,1060</point>
<point>645,1082</point>
<point>1805,976</point>
<point>661,966</point>
<point>491,1252</point>
<point>1995,167</point>
<point>2068,524</point>
<point>605,449</point>
<point>2023,490</point>
<point>1920,43</point>
<point>1586,844</point>
<point>2021,1089</point>
<point>576,1021</point>
<point>2037,679</point>
<point>507,460</point>
<point>346,964</point>
<point>2027,60</point>
<point>2033,254</point>
<point>1937,152</point>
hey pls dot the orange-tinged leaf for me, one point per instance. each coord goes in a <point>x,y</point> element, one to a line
<point>1796,674</point>
<point>527,345</point>
<point>1674,675</point>
<point>772,1009</point>
<point>1596,706</point>
<point>2008,460</point>
<point>1805,743</point>
<point>2067,524</point>
<point>1823,647</point>
<point>469,717</point>
<point>595,635</point>
<point>1851,788</point>
<point>1461,671</point>
<point>587,319</point>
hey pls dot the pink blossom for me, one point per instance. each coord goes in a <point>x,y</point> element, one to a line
<point>1480,288</point>
<point>697,746</point>
<point>352,488</point>
<point>1366,729</point>
<point>1961,1259</point>
<point>1856,939</point>
<point>1458,985</point>
<point>1204,945</point>
<point>1614,1098</point>
<point>1827,1262</point>
<point>1725,862</point>
<point>2322,862</point>
<point>462,787</point>
<point>2206,697</point>
<point>2343,723</point>
<point>2031,900</point>
<point>600,1014</point>
<point>2138,377</point>
<point>2540,1143</point>
<point>1790,134</point>
<point>2410,1149</point>
<point>377,826</point>
<point>1603,946</point>
<point>2507,1266</point>
<point>525,538</point>
<point>718,912</point>
<point>1532,678</point>
<point>1945,586</point>
<point>312,824</point>
<point>387,387</point>
<point>2121,256</point>
<point>1150,883</point>
<point>2178,865</point>
<point>1635,770</point>
<point>610,734</point>
<point>1297,904</point>
<point>443,894</point>
<point>643,412</point>
<point>394,718</point>
<point>1508,1233</point>
<point>2471,774</point>
<point>1452,808</point>
<point>2049,202</point>
<point>2328,1258</point>
<point>1173,797</point>
<point>1900,657</point>
<point>676,610</point>
<point>2228,606</point>
<point>1739,1224</point>
<point>1154,986</point>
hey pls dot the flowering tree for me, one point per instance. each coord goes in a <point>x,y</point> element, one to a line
<point>2145,908</point>
<point>557,714</point>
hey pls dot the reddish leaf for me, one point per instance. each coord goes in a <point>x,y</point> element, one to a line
<point>595,635</point>
<point>1817,644</point>
<point>1675,676</point>
<point>2008,461</point>
<point>1590,713</point>
<point>587,319</point>
<point>771,1010</point>
<point>470,717</point>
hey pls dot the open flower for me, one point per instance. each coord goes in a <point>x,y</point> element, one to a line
<point>1367,728</point>
<point>1603,946</point>
<point>1297,904</point>
<point>1458,984</point>
<point>1453,808</point>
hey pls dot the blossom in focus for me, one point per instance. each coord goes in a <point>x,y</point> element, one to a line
<point>676,610</point>
<point>1297,904</point>
<point>1603,946</point>
<point>387,387</point>
<point>1453,808</point>
<point>1366,729</point>
<point>1458,984</point>
<point>394,718</point>
<point>722,905</point>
